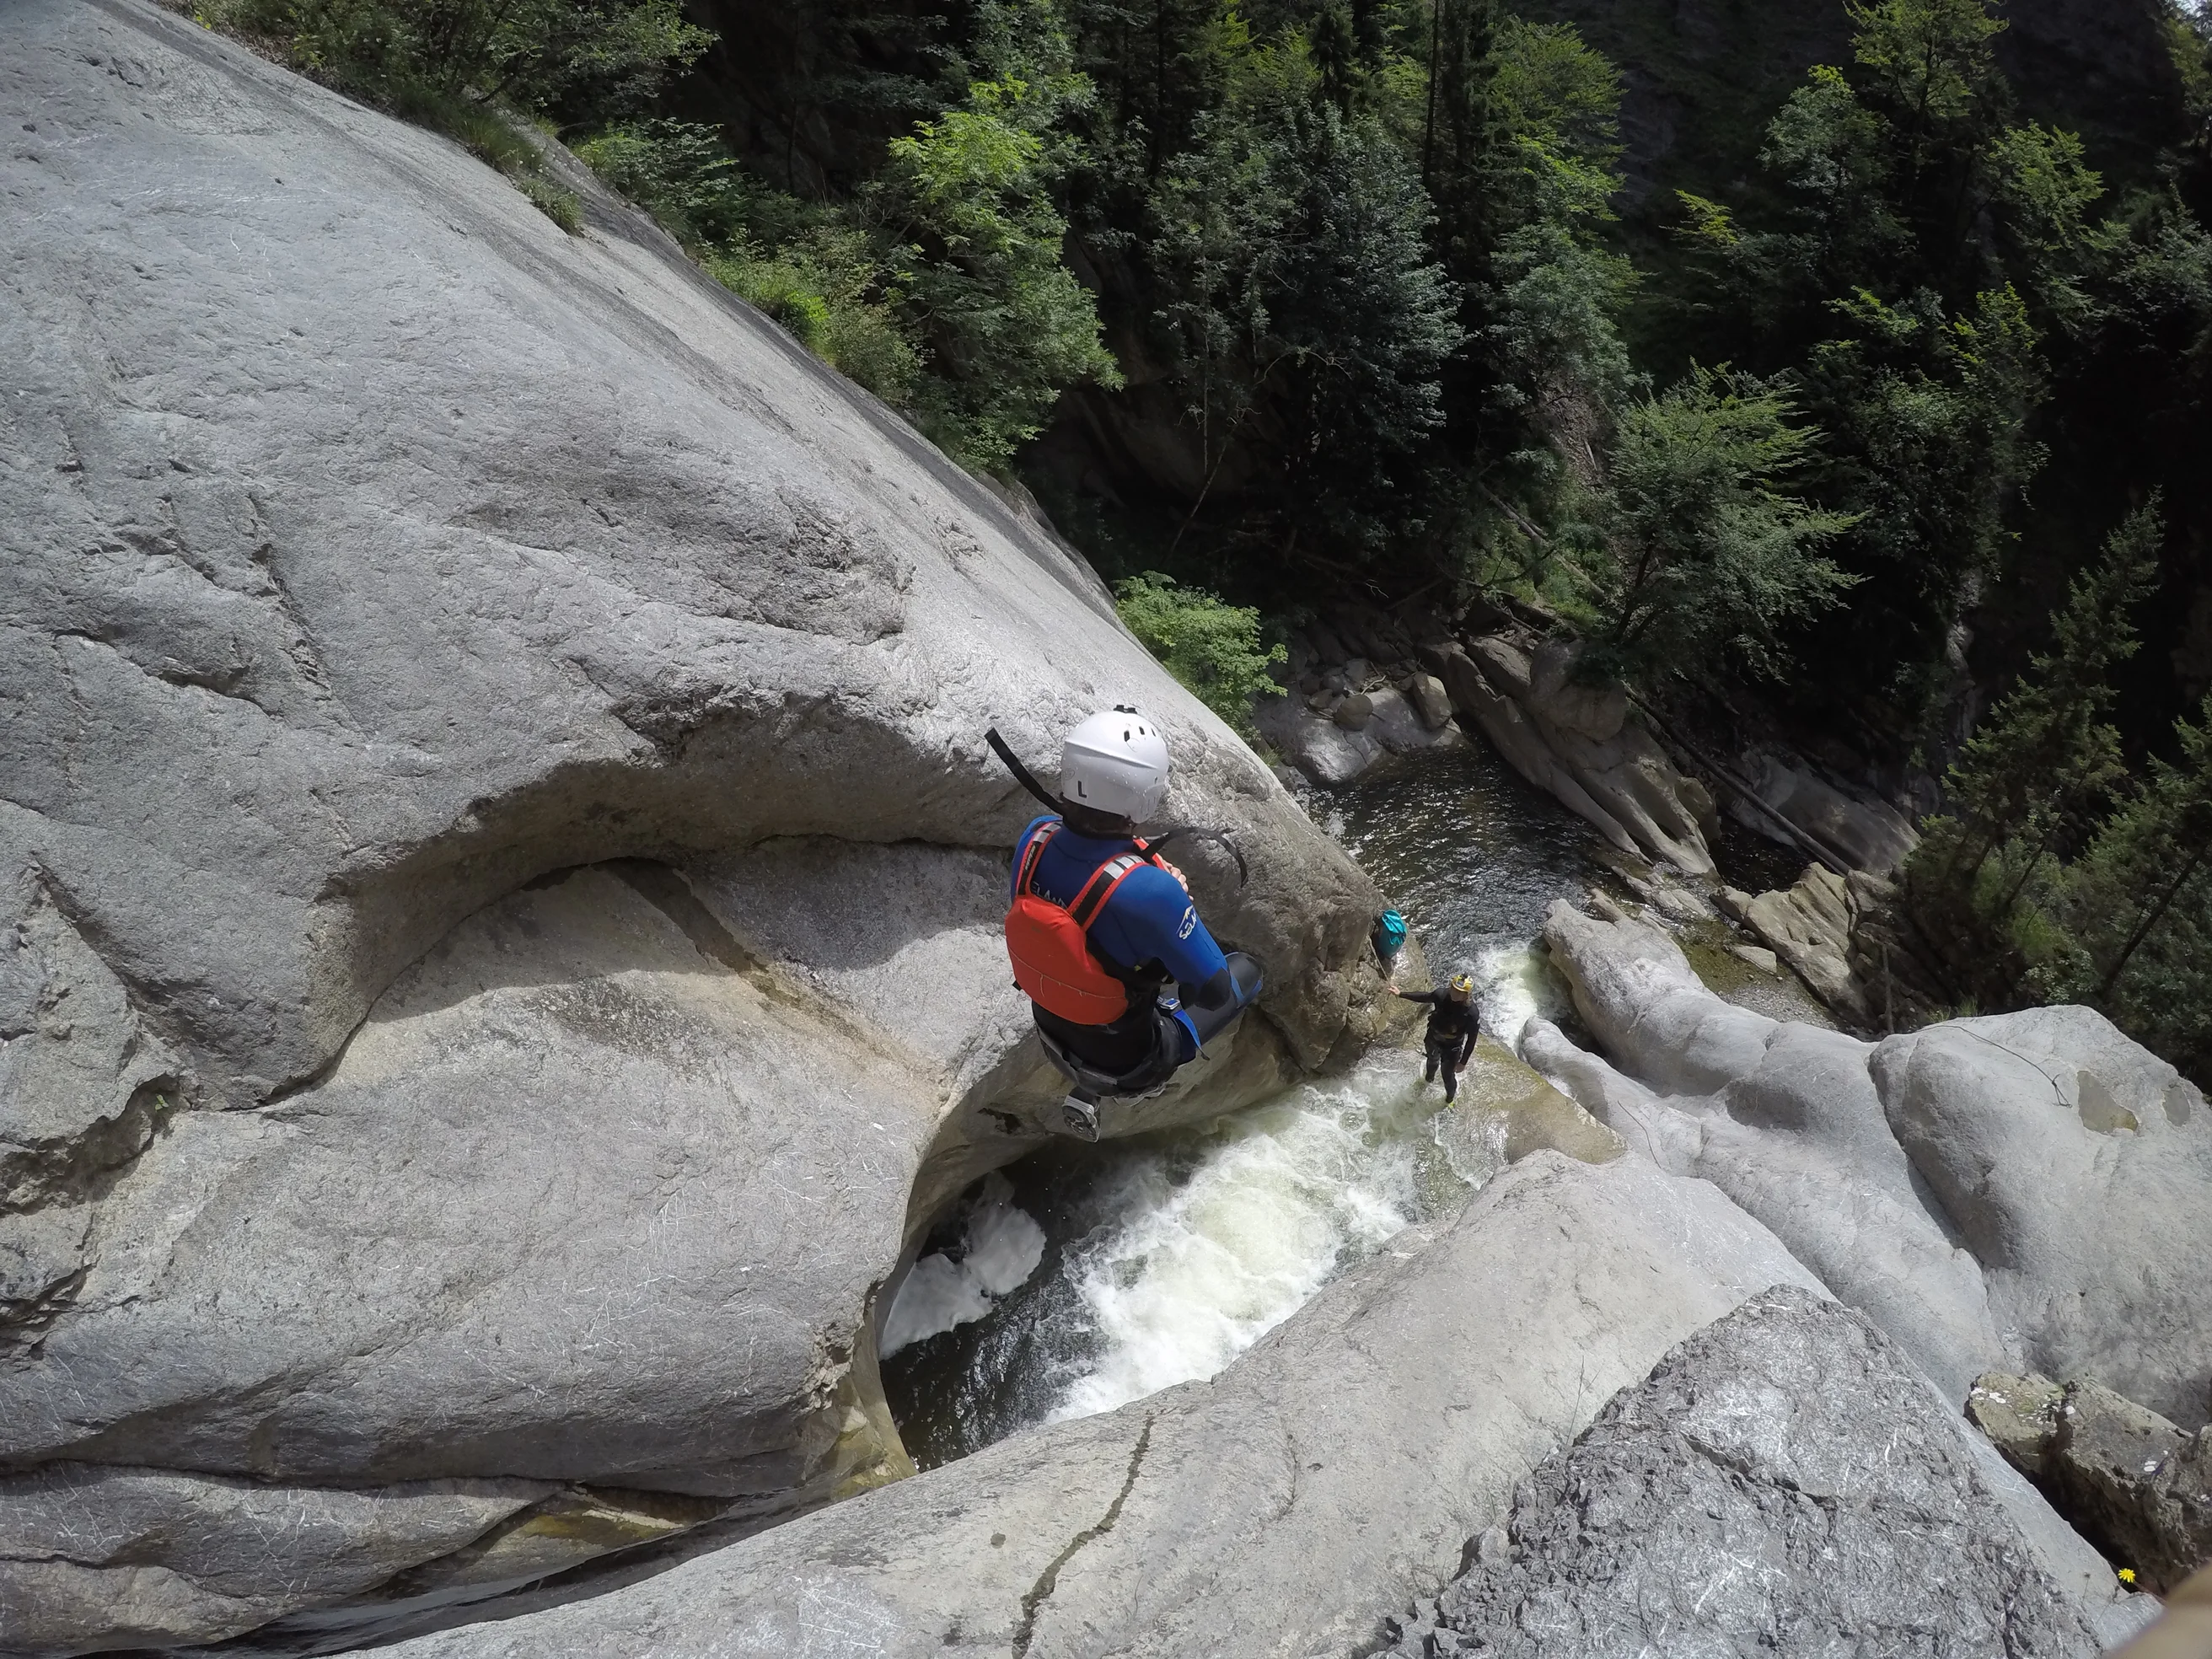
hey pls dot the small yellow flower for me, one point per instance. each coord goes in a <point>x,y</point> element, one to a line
<point>2127,1575</point>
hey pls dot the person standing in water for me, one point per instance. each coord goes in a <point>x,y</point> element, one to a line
<point>1454,1023</point>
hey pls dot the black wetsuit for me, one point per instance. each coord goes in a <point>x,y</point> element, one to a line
<point>1451,1037</point>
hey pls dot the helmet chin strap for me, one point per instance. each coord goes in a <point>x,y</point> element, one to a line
<point>1021,772</point>
<point>1053,803</point>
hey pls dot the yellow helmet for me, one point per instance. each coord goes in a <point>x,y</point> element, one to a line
<point>1462,985</point>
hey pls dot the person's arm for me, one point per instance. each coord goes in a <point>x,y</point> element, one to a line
<point>1159,923</point>
<point>1466,1046</point>
<point>1428,997</point>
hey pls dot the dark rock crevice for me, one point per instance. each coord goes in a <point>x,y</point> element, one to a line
<point>1048,1580</point>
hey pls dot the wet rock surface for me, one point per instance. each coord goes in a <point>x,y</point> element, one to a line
<point>1781,1482</point>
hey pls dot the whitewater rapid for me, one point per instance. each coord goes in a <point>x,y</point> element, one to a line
<point>1146,1263</point>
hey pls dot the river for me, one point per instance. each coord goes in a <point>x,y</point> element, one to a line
<point>1089,1276</point>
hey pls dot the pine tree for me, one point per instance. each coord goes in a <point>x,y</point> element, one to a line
<point>2141,903</point>
<point>1461,131</point>
<point>2049,752</point>
<point>2046,758</point>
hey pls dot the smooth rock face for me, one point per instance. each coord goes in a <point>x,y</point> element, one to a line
<point>2077,1166</point>
<point>666,1236</point>
<point>1781,1483</point>
<point>371,551</point>
<point>1334,1470</point>
<point>1867,834</point>
<point>1783,1117</point>
<point>101,1557</point>
<point>1575,743</point>
<point>2029,1185</point>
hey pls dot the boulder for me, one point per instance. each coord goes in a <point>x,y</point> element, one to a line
<point>1808,926</point>
<point>1323,752</point>
<point>2031,1187</point>
<point>499,858</point>
<point>1868,834</point>
<point>1331,1473</point>
<point>2077,1166</point>
<point>1332,740</point>
<point>1430,701</point>
<point>1575,743</point>
<point>2137,1483</point>
<point>1781,1482</point>
<point>2018,1415</point>
<point>1393,722</point>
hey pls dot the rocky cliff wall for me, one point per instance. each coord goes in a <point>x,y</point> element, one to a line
<point>499,863</point>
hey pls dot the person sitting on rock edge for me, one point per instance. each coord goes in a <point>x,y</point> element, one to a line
<point>1454,1023</point>
<point>1100,925</point>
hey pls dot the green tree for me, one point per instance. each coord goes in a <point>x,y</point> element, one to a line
<point>1459,134</point>
<point>1929,63</point>
<point>1706,556</point>
<point>576,60</point>
<point>1212,646</point>
<point>2141,903</point>
<point>1006,325</point>
<point>825,281</point>
<point>1305,321</point>
<point>2046,759</point>
<point>1929,416</point>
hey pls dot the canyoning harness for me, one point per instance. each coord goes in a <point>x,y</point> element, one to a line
<point>1110,1030</point>
<point>1055,964</point>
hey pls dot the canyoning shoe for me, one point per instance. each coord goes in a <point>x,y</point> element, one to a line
<point>1081,1117</point>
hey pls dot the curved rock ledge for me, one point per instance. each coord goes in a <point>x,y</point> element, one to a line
<point>1332,1472</point>
<point>498,862</point>
<point>2021,1191</point>
<point>1578,744</point>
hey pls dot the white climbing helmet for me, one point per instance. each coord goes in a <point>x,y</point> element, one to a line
<point>1115,762</point>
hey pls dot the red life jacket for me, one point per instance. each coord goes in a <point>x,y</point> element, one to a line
<point>1050,945</point>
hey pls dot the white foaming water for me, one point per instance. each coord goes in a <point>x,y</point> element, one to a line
<point>1513,988</point>
<point>1000,1249</point>
<point>1285,1198</point>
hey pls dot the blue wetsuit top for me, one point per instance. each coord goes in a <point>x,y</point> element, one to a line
<point>1149,918</point>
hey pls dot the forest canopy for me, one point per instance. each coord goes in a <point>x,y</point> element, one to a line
<point>1875,398</point>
